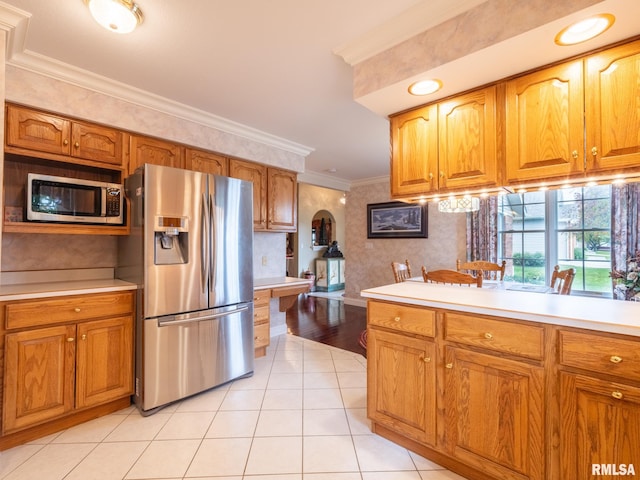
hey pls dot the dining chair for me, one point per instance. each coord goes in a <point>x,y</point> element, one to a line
<point>451,277</point>
<point>401,271</point>
<point>564,279</point>
<point>491,271</point>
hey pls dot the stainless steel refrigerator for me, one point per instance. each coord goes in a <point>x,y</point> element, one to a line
<point>191,253</point>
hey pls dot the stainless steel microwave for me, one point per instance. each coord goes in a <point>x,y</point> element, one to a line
<point>63,199</point>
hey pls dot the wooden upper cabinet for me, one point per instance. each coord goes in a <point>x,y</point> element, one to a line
<point>156,152</point>
<point>98,143</point>
<point>613,110</point>
<point>256,173</point>
<point>281,198</point>
<point>43,132</point>
<point>414,152</point>
<point>467,146</point>
<point>207,162</point>
<point>544,124</point>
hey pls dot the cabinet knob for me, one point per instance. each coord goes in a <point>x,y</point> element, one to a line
<point>84,337</point>
<point>449,365</point>
<point>425,359</point>
<point>617,395</point>
<point>70,339</point>
<point>65,142</point>
<point>594,151</point>
<point>430,176</point>
<point>396,319</point>
<point>77,310</point>
<point>615,359</point>
<point>488,336</point>
<point>574,154</point>
<point>441,174</point>
<point>77,145</point>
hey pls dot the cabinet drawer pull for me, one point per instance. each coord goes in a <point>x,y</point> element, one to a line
<point>488,336</point>
<point>77,310</point>
<point>449,365</point>
<point>425,359</point>
<point>396,319</point>
<point>617,395</point>
<point>70,339</point>
<point>615,359</point>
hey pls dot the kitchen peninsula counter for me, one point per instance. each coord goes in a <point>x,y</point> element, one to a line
<point>496,384</point>
<point>600,314</point>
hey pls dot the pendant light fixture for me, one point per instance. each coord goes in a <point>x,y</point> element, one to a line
<point>119,16</point>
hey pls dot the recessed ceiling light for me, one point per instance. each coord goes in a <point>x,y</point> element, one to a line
<point>425,87</point>
<point>584,29</point>
<point>119,16</point>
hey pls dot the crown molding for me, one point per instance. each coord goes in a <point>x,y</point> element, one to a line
<point>16,21</point>
<point>411,22</point>
<point>371,181</point>
<point>322,180</point>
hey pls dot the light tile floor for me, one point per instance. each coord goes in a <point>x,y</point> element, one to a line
<point>301,416</point>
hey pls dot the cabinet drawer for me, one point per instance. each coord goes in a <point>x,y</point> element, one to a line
<point>39,312</point>
<point>595,353</point>
<point>261,336</point>
<point>261,297</point>
<point>402,318</point>
<point>260,315</point>
<point>498,335</point>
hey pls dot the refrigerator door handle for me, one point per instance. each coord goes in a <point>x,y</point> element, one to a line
<point>213,316</point>
<point>204,244</point>
<point>212,261</point>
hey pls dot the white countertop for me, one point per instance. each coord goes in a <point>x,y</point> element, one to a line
<point>568,310</point>
<point>23,291</point>
<point>275,282</point>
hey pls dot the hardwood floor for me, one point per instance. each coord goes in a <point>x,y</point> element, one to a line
<point>328,321</point>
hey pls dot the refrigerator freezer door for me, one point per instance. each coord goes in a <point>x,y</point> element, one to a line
<point>189,353</point>
<point>175,217</point>
<point>231,270</point>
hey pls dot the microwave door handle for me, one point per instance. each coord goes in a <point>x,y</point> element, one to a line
<point>103,203</point>
<point>204,250</point>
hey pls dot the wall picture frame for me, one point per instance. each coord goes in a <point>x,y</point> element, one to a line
<point>397,220</point>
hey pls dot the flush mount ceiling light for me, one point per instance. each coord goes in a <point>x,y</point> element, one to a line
<point>425,87</point>
<point>584,29</point>
<point>119,16</point>
<point>464,204</point>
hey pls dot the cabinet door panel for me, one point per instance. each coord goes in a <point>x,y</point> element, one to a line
<point>401,384</point>
<point>37,131</point>
<point>613,109</point>
<point>467,144</point>
<point>414,152</point>
<point>38,376</point>
<point>157,152</point>
<point>257,174</point>
<point>206,162</point>
<point>283,211</point>
<point>104,361</point>
<point>600,426</point>
<point>97,143</point>
<point>495,414</point>
<point>544,124</point>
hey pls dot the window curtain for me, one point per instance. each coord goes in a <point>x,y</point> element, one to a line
<point>625,223</point>
<point>482,231</point>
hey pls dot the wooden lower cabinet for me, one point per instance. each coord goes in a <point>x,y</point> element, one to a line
<point>78,367</point>
<point>261,321</point>
<point>495,414</point>
<point>401,385</point>
<point>600,435</point>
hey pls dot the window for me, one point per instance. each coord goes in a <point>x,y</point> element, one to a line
<point>570,227</point>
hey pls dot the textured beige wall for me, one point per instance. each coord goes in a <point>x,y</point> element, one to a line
<point>371,267</point>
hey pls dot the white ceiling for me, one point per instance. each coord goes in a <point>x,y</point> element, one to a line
<point>265,64</point>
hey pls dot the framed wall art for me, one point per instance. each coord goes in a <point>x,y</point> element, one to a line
<point>396,220</point>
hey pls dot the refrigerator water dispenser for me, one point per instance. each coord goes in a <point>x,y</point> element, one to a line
<point>171,241</point>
